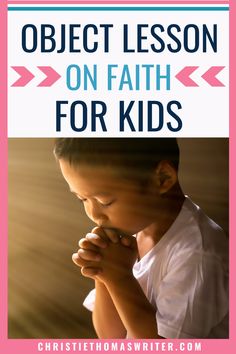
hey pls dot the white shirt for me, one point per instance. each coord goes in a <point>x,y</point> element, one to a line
<point>185,277</point>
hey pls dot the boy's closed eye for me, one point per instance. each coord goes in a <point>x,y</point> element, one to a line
<point>103,199</point>
<point>106,204</point>
<point>102,203</point>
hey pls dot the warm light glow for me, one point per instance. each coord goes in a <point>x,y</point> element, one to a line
<point>46,289</point>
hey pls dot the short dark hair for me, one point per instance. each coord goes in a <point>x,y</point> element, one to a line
<point>134,155</point>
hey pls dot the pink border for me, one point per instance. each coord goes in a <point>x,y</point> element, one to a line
<point>3,171</point>
<point>30,346</point>
<point>120,2</point>
<point>232,176</point>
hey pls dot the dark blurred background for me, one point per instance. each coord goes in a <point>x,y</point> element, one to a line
<point>46,289</point>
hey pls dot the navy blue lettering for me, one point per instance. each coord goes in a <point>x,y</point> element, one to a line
<point>47,38</point>
<point>140,39</point>
<point>160,116</point>
<point>126,48</point>
<point>174,115</point>
<point>125,116</point>
<point>73,37</point>
<point>99,115</point>
<point>194,40</point>
<point>59,114</point>
<point>93,48</point>
<point>26,31</point>
<point>106,36</point>
<point>211,38</point>
<point>175,39</point>
<point>159,39</point>
<point>84,115</point>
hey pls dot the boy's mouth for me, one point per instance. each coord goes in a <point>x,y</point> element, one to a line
<point>118,231</point>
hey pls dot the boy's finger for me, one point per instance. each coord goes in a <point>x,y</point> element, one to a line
<point>90,271</point>
<point>129,241</point>
<point>106,234</point>
<point>126,241</point>
<point>86,244</point>
<point>82,262</point>
<point>98,230</point>
<point>88,255</point>
<point>78,261</point>
<point>113,235</point>
<point>96,240</point>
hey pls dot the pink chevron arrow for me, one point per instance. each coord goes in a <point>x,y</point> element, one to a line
<point>183,76</point>
<point>52,76</point>
<point>210,76</point>
<point>25,76</point>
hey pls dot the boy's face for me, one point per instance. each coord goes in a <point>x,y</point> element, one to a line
<point>110,200</point>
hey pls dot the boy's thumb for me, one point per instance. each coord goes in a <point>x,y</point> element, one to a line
<point>128,241</point>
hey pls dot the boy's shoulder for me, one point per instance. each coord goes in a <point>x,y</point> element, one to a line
<point>194,235</point>
<point>194,227</point>
<point>193,232</point>
<point>192,238</point>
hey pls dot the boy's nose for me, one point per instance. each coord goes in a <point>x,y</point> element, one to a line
<point>97,215</point>
<point>100,220</point>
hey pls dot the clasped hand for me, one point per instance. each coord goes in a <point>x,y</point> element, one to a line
<point>105,256</point>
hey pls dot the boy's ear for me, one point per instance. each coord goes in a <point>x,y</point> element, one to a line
<point>166,176</point>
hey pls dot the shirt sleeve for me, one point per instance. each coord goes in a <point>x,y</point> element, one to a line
<point>192,298</point>
<point>90,300</point>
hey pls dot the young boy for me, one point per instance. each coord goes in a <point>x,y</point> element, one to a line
<point>159,263</point>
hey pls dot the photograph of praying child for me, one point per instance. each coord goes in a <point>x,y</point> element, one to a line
<point>150,260</point>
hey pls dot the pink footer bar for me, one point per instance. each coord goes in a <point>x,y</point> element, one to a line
<point>220,2</point>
